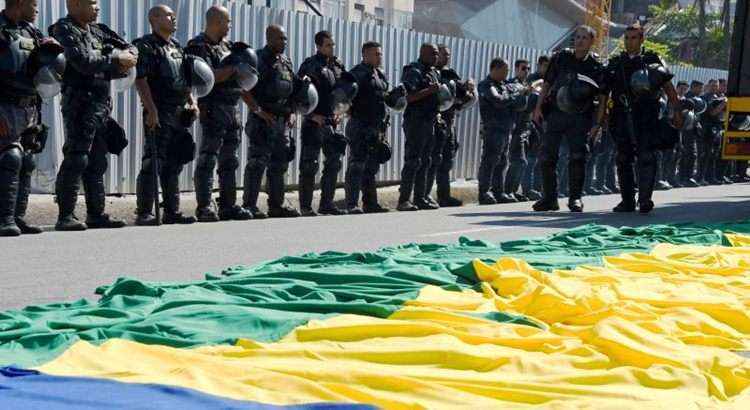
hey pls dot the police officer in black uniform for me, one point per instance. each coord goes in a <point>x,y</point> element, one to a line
<point>532,178</point>
<point>167,101</point>
<point>220,122</point>
<point>319,130</point>
<point>709,146</point>
<point>270,147</point>
<point>690,138</point>
<point>570,86</point>
<point>422,82</point>
<point>446,142</point>
<point>94,54</point>
<point>498,100</point>
<point>365,130</point>
<point>636,78</point>
<point>19,113</point>
<point>519,144</point>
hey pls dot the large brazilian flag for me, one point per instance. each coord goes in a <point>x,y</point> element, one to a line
<point>596,317</point>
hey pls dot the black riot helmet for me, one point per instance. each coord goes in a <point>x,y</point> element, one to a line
<point>305,96</point>
<point>465,98</point>
<point>243,57</point>
<point>198,75</point>
<point>577,95</point>
<point>739,122</point>
<point>446,95</point>
<point>649,79</point>
<point>344,93</point>
<point>396,98</point>
<point>46,65</point>
<point>383,151</point>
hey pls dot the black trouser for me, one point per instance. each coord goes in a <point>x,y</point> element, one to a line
<point>605,162</point>
<point>314,139</point>
<point>709,147</point>
<point>495,141</point>
<point>514,163</point>
<point>573,130</point>
<point>688,154</point>
<point>443,159</point>
<point>84,152</point>
<point>169,165</point>
<point>742,169</point>
<point>532,175</point>
<point>270,149</point>
<point>11,159</point>
<point>17,165</point>
<point>218,146</point>
<point>420,140</point>
<point>638,151</point>
<point>363,165</point>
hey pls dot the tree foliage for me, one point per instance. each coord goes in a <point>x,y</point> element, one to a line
<point>678,31</point>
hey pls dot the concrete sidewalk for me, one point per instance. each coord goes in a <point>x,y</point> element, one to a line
<point>43,209</point>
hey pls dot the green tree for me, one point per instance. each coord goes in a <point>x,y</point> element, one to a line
<point>707,35</point>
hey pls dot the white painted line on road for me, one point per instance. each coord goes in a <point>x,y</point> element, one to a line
<point>500,228</point>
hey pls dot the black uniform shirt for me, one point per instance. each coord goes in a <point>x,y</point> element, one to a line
<point>275,82</point>
<point>417,77</point>
<point>369,104</point>
<point>160,62</point>
<point>324,72</point>
<point>564,67</point>
<point>227,92</point>
<point>495,104</point>
<point>618,73</point>
<point>16,83</point>
<point>89,63</point>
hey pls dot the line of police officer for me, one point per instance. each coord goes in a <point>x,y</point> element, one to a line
<point>538,113</point>
<point>576,104</point>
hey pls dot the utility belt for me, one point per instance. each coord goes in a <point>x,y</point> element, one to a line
<point>19,101</point>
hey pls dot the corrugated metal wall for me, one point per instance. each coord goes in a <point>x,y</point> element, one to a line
<point>128,17</point>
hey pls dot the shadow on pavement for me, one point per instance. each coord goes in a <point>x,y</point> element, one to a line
<point>708,211</point>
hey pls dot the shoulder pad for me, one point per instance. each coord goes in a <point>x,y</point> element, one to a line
<point>63,23</point>
<point>197,41</point>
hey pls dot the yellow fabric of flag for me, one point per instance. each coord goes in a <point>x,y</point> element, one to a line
<point>642,331</point>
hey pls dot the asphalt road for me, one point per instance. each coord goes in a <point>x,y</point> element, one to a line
<point>56,267</point>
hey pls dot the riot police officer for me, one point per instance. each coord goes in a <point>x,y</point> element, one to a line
<point>219,120</point>
<point>636,78</point>
<point>20,123</point>
<point>422,83</point>
<point>169,109</point>
<point>709,146</point>
<point>319,130</point>
<point>568,93</point>
<point>690,138</point>
<point>498,100</point>
<point>271,147</point>
<point>446,142</point>
<point>513,164</point>
<point>95,54</point>
<point>366,128</point>
<point>532,179</point>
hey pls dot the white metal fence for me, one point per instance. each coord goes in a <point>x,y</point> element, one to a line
<point>128,17</point>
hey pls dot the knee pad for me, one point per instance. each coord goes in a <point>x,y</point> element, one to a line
<point>11,159</point>
<point>76,162</point>
<point>229,164</point>
<point>356,166</point>
<point>206,161</point>
<point>309,166</point>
